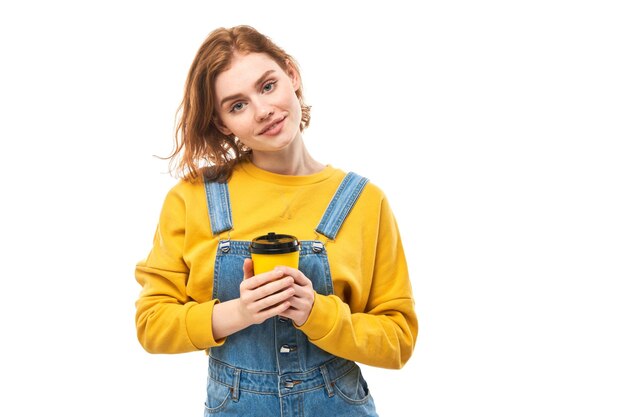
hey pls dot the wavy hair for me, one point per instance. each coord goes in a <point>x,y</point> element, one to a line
<point>200,148</point>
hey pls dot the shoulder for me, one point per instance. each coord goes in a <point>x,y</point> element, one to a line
<point>369,202</point>
<point>371,192</point>
<point>185,193</point>
<point>185,187</point>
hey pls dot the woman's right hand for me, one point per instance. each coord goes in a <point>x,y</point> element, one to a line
<point>265,295</point>
<point>260,297</point>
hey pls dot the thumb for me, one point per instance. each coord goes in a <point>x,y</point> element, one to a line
<point>248,270</point>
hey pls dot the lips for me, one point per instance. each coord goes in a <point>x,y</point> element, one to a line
<point>270,126</point>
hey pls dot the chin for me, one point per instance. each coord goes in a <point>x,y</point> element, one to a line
<point>282,141</point>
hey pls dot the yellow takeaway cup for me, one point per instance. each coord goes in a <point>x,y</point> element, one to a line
<point>271,250</point>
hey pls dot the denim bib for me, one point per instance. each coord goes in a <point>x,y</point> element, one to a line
<point>272,366</point>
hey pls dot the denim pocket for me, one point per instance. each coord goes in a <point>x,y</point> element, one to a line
<point>218,396</point>
<point>352,387</point>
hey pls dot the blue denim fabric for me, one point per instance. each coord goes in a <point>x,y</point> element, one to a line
<point>218,201</point>
<point>271,369</point>
<point>342,202</point>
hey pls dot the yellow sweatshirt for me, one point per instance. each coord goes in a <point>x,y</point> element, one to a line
<point>370,318</point>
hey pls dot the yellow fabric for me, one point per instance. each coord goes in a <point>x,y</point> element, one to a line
<point>370,318</point>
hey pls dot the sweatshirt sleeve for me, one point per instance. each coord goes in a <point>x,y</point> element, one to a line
<point>167,319</point>
<point>384,333</point>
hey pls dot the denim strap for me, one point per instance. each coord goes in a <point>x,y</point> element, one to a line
<point>344,199</point>
<point>218,201</point>
<point>327,381</point>
<point>235,389</point>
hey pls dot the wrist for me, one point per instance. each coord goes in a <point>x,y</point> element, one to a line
<point>228,318</point>
<point>240,314</point>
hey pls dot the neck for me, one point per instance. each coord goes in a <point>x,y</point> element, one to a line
<point>295,160</point>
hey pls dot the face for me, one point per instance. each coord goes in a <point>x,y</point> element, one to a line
<point>256,101</point>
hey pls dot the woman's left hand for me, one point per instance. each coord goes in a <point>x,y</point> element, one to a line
<point>301,302</point>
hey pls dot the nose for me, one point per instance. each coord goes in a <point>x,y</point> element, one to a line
<point>264,113</point>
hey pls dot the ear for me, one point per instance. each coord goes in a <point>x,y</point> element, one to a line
<point>221,126</point>
<point>293,74</point>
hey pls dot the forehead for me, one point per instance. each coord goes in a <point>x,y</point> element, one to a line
<point>243,73</point>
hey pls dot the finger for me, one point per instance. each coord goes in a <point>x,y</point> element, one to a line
<point>296,303</point>
<point>273,300</point>
<point>301,298</point>
<point>299,291</point>
<point>274,311</point>
<point>275,287</point>
<point>292,313</point>
<point>297,275</point>
<point>261,279</point>
<point>268,289</point>
<point>248,268</point>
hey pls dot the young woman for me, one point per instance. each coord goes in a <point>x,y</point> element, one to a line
<point>282,342</point>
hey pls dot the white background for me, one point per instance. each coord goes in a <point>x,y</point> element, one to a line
<point>496,128</point>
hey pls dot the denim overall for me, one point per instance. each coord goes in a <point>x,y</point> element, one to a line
<point>271,369</point>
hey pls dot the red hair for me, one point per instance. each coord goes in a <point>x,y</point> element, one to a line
<point>200,148</point>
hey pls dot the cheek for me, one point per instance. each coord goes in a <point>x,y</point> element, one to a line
<point>238,125</point>
<point>298,107</point>
<point>298,111</point>
<point>294,104</point>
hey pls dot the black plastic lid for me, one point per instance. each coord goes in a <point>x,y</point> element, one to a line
<point>272,243</point>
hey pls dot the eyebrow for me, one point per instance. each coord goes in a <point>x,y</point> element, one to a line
<point>256,84</point>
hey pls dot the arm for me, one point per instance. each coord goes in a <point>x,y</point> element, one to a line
<point>167,319</point>
<point>383,334</point>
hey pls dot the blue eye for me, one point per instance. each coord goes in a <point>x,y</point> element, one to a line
<point>237,107</point>
<point>269,86</point>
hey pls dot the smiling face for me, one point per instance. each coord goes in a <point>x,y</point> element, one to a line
<point>256,102</point>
